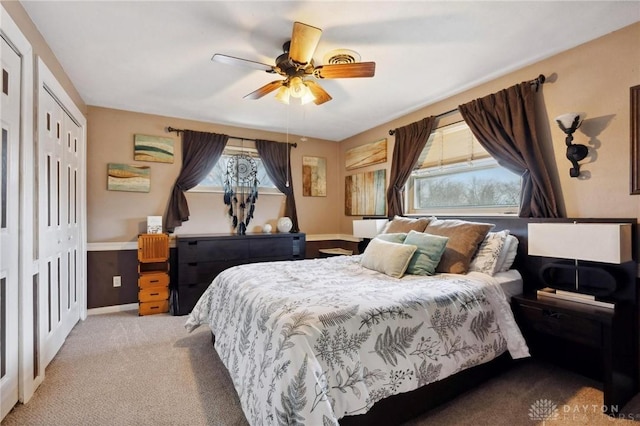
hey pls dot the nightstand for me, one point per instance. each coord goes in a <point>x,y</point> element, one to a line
<point>153,274</point>
<point>590,340</point>
<point>331,252</point>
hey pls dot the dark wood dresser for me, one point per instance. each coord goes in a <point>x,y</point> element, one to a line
<point>200,258</point>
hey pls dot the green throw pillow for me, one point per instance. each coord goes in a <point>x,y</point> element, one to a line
<point>430,249</point>
<point>396,237</point>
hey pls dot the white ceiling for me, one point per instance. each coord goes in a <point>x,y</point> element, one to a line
<point>155,57</point>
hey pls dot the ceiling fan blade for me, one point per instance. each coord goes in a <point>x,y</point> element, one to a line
<point>304,41</point>
<point>354,70</point>
<point>321,96</point>
<point>264,90</point>
<point>231,60</point>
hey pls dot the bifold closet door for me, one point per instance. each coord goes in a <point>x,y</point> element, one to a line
<point>9,222</point>
<point>61,237</point>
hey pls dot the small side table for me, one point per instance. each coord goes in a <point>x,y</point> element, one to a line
<point>330,252</point>
<point>584,338</point>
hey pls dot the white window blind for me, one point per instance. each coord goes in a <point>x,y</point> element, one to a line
<point>455,174</point>
<point>450,145</point>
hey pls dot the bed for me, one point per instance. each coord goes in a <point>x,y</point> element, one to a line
<point>320,341</point>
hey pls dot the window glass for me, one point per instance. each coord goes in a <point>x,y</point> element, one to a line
<point>455,174</point>
<point>214,180</point>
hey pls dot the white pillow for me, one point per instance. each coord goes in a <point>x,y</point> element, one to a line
<point>486,258</point>
<point>389,258</point>
<point>508,254</point>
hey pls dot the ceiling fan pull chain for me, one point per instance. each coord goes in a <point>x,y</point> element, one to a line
<point>287,165</point>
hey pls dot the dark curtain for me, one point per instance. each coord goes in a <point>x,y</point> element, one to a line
<point>276,158</point>
<point>410,141</point>
<point>505,125</point>
<point>200,152</point>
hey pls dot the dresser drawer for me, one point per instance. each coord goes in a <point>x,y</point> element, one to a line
<point>153,294</point>
<point>187,296</point>
<point>157,307</point>
<point>271,248</point>
<point>204,250</point>
<point>202,272</point>
<point>567,326</point>
<point>153,279</point>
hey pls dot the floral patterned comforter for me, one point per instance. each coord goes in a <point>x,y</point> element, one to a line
<point>311,341</point>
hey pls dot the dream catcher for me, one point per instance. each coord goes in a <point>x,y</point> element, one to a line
<point>241,190</point>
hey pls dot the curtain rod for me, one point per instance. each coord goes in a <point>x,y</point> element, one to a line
<point>536,81</point>
<point>178,131</point>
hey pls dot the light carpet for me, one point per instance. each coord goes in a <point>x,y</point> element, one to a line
<point>122,369</point>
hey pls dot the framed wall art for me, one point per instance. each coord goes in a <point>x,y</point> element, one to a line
<point>125,177</point>
<point>152,148</point>
<point>364,194</point>
<point>314,176</point>
<point>366,155</point>
<point>635,140</point>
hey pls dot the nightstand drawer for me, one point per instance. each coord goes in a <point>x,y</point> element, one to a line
<point>570,327</point>
<point>153,294</point>
<point>149,308</point>
<point>153,279</point>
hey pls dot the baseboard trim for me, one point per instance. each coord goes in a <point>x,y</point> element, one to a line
<point>112,309</point>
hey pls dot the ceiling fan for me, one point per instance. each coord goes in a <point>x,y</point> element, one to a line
<point>297,67</point>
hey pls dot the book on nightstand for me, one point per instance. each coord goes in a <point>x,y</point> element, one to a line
<point>154,224</point>
<point>587,299</point>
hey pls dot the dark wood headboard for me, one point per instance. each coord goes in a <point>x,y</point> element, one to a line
<point>529,266</point>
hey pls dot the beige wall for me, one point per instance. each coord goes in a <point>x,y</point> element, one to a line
<point>593,78</point>
<point>42,50</point>
<point>120,216</point>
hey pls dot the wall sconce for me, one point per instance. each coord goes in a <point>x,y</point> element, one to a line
<point>569,123</point>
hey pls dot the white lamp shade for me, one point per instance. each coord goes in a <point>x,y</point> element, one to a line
<point>283,95</point>
<point>568,119</point>
<point>368,228</point>
<point>596,242</point>
<point>297,88</point>
<point>307,97</point>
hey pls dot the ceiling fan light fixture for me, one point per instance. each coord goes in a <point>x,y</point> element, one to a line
<point>307,97</point>
<point>296,66</point>
<point>297,88</point>
<point>283,95</point>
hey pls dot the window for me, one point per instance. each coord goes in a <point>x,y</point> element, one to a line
<point>214,181</point>
<point>456,175</point>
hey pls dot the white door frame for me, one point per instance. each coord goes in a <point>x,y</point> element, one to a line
<point>27,381</point>
<point>11,101</point>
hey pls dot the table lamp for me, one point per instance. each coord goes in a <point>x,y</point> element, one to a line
<point>367,229</point>
<point>608,243</point>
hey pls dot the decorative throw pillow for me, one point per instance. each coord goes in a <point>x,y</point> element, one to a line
<point>406,224</point>
<point>464,240</point>
<point>427,256</point>
<point>508,254</point>
<point>486,259</point>
<point>389,258</point>
<point>396,237</point>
